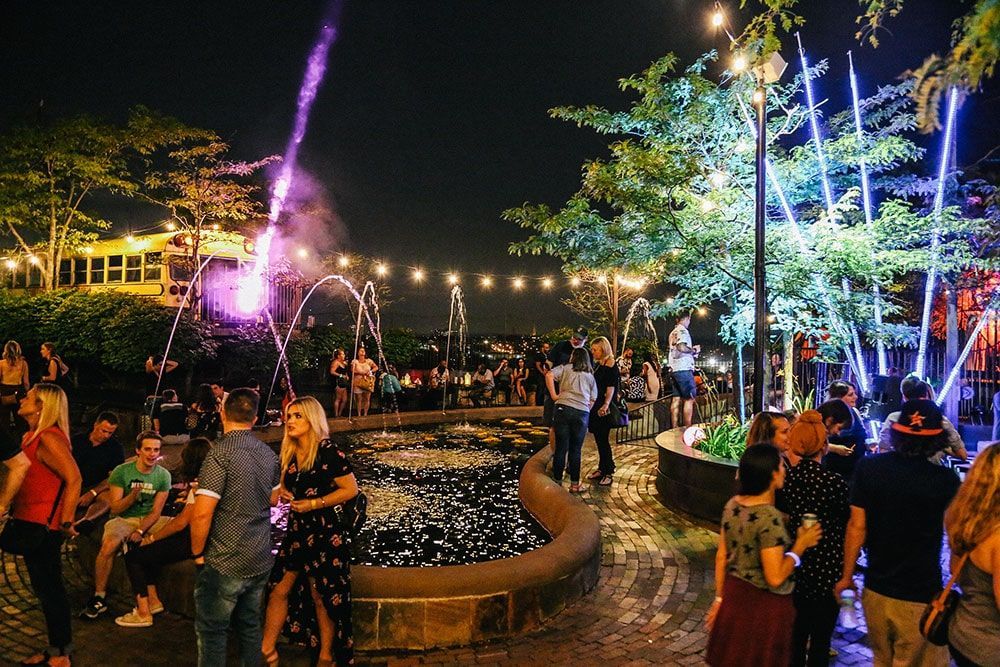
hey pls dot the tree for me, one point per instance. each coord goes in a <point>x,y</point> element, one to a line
<point>205,192</point>
<point>49,174</point>
<point>674,202</point>
<point>400,346</point>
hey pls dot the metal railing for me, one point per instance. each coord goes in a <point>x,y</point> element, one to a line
<point>647,420</point>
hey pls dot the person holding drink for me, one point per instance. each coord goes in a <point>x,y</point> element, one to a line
<point>752,617</point>
<point>812,494</point>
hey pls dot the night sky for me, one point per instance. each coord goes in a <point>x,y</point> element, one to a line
<point>433,116</point>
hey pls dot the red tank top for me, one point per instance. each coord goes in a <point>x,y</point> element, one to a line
<point>40,497</point>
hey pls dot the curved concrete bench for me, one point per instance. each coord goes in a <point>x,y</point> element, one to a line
<point>691,480</point>
<point>423,607</point>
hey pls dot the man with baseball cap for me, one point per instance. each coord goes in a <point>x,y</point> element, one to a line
<point>898,500</point>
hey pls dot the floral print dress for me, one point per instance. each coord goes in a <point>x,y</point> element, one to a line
<point>317,547</point>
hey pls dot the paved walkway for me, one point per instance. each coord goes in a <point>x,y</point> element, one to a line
<point>648,607</point>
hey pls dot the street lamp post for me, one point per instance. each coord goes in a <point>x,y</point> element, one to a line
<point>760,339</point>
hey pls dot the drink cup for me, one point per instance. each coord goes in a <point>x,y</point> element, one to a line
<point>809,520</point>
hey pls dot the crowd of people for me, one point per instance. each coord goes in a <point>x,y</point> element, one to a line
<point>214,510</point>
<point>813,495</point>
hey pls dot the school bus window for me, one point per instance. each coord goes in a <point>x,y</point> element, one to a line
<point>115,263</point>
<point>65,272</point>
<point>80,271</point>
<point>34,276</point>
<point>154,267</point>
<point>180,272</point>
<point>133,269</point>
<point>96,270</point>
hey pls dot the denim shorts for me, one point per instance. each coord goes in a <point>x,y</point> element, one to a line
<point>683,384</point>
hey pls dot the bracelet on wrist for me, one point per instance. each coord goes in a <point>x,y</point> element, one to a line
<point>718,598</point>
<point>795,557</point>
<point>93,492</point>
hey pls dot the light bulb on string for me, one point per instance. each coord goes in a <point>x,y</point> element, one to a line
<point>574,282</point>
<point>343,261</point>
<point>170,226</point>
<point>758,96</point>
<point>547,283</point>
<point>418,275</point>
<point>11,264</point>
<point>739,63</point>
<point>518,283</point>
<point>717,18</point>
<point>303,253</point>
<point>452,279</point>
<point>34,260</point>
<point>487,282</point>
<point>382,269</point>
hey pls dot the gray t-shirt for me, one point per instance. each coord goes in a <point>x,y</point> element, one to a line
<point>680,361</point>
<point>576,389</point>
<point>240,471</point>
<point>748,530</point>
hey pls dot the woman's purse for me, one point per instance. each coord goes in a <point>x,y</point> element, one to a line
<point>365,383</point>
<point>938,612</point>
<point>352,514</point>
<point>618,411</point>
<point>20,537</point>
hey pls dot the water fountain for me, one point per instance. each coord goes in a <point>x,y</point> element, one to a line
<point>457,308</point>
<point>641,306</point>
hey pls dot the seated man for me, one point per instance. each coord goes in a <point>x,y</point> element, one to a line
<point>136,512</point>
<point>169,419</point>
<point>482,382</point>
<point>97,452</point>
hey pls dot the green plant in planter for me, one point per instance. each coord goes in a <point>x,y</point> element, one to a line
<point>727,439</point>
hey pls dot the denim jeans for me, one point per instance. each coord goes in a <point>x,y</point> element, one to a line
<point>45,572</point>
<point>571,428</point>
<point>219,598</point>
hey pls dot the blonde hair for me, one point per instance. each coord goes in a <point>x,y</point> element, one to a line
<point>605,345</point>
<point>975,511</point>
<point>319,431</point>
<point>55,407</point>
<point>12,352</point>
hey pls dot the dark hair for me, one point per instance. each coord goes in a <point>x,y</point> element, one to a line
<point>157,359</point>
<point>218,383</point>
<point>913,388</point>
<point>147,435</point>
<point>51,347</point>
<point>757,467</point>
<point>763,428</point>
<point>241,406</point>
<point>839,389</point>
<point>193,455</point>
<point>169,395</point>
<point>837,411</point>
<point>683,316</point>
<point>253,382</point>
<point>922,446</point>
<point>206,399</point>
<point>650,358</point>
<point>580,360</point>
<point>107,416</point>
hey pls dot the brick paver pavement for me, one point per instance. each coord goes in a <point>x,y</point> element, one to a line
<point>655,586</point>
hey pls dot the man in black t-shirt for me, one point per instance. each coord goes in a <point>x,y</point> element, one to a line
<point>539,367</point>
<point>97,453</point>
<point>558,356</point>
<point>169,417</point>
<point>898,500</point>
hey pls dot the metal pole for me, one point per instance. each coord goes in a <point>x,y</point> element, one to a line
<point>760,344</point>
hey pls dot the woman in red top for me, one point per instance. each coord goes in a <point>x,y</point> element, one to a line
<point>48,496</point>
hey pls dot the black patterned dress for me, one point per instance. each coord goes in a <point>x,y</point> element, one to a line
<point>318,548</point>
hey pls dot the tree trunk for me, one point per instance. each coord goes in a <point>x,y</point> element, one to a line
<point>950,406</point>
<point>788,341</point>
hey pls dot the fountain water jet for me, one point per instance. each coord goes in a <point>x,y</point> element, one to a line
<point>457,307</point>
<point>641,305</point>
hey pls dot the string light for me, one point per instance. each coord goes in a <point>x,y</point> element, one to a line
<point>739,63</point>
<point>574,282</point>
<point>34,260</point>
<point>547,283</point>
<point>381,269</point>
<point>303,253</point>
<point>703,311</point>
<point>602,279</point>
<point>89,250</point>
<point>343,261</point>
<point>11,264</point>
<point>707,205</point>
<point>452,279</point>
<point>518,283</point>
<point>717,179</point>
<point>418,275</point>
<point>170,226</point>
<point>487,282</point>
<point>717,18</point>
<point>129,238</point>
<point>758,96</point>
<point>216,227</point>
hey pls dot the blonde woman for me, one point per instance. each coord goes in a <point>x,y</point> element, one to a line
<point>973,525</point>
<point>13,385</point>
<point>311,580</point>
<point>48,496</point>
<point>362,369</point>
<point>608,378</point>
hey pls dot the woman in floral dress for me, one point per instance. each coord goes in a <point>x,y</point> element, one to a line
<point>310,592</point>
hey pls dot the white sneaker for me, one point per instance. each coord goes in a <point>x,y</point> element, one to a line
<point>134,620</point>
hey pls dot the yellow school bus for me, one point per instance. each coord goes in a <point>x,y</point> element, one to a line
<point>159,266</point>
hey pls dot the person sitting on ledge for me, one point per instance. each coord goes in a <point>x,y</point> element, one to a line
<point>97,452</point>
<point>482,382</point>
<point>135,514</point>
<point>170,544</point>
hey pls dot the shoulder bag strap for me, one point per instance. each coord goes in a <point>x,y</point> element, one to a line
<point>55,504</point>
<point>951,580</point>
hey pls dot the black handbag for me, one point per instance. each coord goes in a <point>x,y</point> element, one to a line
<point>20,537</point>
<point>618,411</point>
<point>938,612</point>
<point>353,513</point>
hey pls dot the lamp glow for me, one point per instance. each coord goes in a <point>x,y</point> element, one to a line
<point>547,283</point>
<point>717,18</point>
<point>452,279</point>
<point>518,283</point>
<point>34,260</point>
<point>343,261</point>
<point>487,282</point>
<point>381,269</point>
<point>574,282</point>
<point>89,250</point>
<point>170,226</point>
<point>216,227</point>
<point>129,238</point>
<point>303,253</point>
<point>11,264</point>
<point>418,275</point>
<point>739,63</point>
